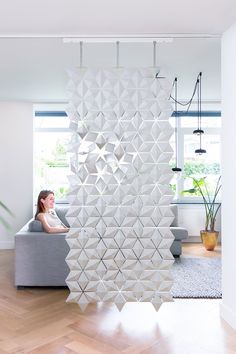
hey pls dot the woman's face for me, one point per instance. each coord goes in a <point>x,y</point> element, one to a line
<point>48,202</point>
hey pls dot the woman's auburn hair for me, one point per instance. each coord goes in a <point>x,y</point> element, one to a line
<point>42,195</point>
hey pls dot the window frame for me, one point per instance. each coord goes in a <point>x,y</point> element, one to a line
<point>182,131</point>
<point>49,110</point>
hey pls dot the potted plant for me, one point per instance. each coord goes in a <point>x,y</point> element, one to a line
<point>209,235</point>
<point>2,219</point>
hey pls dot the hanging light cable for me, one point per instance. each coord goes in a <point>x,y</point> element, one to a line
<point>199,130</point>
<point>176,168</point>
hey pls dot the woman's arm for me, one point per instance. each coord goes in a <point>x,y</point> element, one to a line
<point>49,229</point>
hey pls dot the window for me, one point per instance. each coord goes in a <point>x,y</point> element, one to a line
<point>51,161</point>
<point>51,138</point>
<point>193,164</point>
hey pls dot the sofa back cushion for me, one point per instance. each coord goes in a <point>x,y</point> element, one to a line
<point>35,226</point>
<point>61,213</point>
<point>174,209</point>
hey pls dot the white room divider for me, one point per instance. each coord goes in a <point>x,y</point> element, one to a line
<point>119,191</point>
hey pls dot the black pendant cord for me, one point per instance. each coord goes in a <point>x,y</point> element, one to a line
<point>200,103</point>
<point>191,99</point>
<point>198,107</point>
<point>199,130</point>
<point>176,168</point>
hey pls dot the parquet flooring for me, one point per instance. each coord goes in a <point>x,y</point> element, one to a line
<point>39,321</point>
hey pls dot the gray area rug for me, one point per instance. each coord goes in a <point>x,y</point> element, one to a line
<point>196,278</point>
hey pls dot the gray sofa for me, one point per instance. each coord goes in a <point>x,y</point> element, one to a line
<point>179,233</point>
<point>40,257</point>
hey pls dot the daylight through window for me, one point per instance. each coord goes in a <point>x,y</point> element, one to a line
<point>51,162</point>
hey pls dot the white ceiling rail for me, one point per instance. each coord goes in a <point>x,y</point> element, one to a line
<point>103,38</point>
<point>117,39</point>
<point>158,38</point>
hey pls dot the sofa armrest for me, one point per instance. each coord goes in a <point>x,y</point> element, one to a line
<point>40,259</point>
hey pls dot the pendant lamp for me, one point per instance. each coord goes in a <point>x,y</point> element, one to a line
<point>199,131</point>
<point>176,168</point>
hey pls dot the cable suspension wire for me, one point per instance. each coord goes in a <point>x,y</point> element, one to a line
<point>81,54</point>
<point>198,109</point>
<point>200,103</point>
<point>199,130</point>
<point>117,54</point>
<point>176,168</point>
<point>154,54</point>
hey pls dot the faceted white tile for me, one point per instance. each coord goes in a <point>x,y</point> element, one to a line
<point>119,193</point>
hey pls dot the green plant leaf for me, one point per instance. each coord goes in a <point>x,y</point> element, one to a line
<point>2,220</point>
<point>191,190</point>
<point>4,223</point>
<point>6,208</point>
<point>210,204</point>
<point>199,182</point>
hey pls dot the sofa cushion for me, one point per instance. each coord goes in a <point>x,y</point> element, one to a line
<point>35,226</point>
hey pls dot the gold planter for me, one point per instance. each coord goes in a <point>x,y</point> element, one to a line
<point>209,239</point>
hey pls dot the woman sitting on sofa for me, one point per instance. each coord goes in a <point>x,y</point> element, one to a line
<point>47,215</point>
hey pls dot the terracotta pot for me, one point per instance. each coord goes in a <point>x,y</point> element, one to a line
<point>209,239</point>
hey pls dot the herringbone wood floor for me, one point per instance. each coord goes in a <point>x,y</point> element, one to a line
<point>39,321</point>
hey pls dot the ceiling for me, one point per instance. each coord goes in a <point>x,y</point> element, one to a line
<point>76,17</point>
<point>34,59</point>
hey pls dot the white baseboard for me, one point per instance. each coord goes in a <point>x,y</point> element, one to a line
<point>7,245</point>
<point>227,314</point>
<point>196,239</point>
<point>192,239</point>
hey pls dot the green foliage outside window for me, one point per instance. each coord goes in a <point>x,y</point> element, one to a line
<point>58,156</point>
<point>60,193</point>
<point>192,169</point>
<point>52,168</point>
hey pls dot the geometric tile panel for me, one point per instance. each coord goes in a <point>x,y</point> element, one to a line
<point>119,191</point>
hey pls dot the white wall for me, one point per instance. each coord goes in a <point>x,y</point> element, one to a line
<point>192,217</point>
<point>228,306</point>
<point>16,161</point>
<point>16,165</point>
<point>28,74</point>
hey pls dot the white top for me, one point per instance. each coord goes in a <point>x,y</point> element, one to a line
<point>52,219</point>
